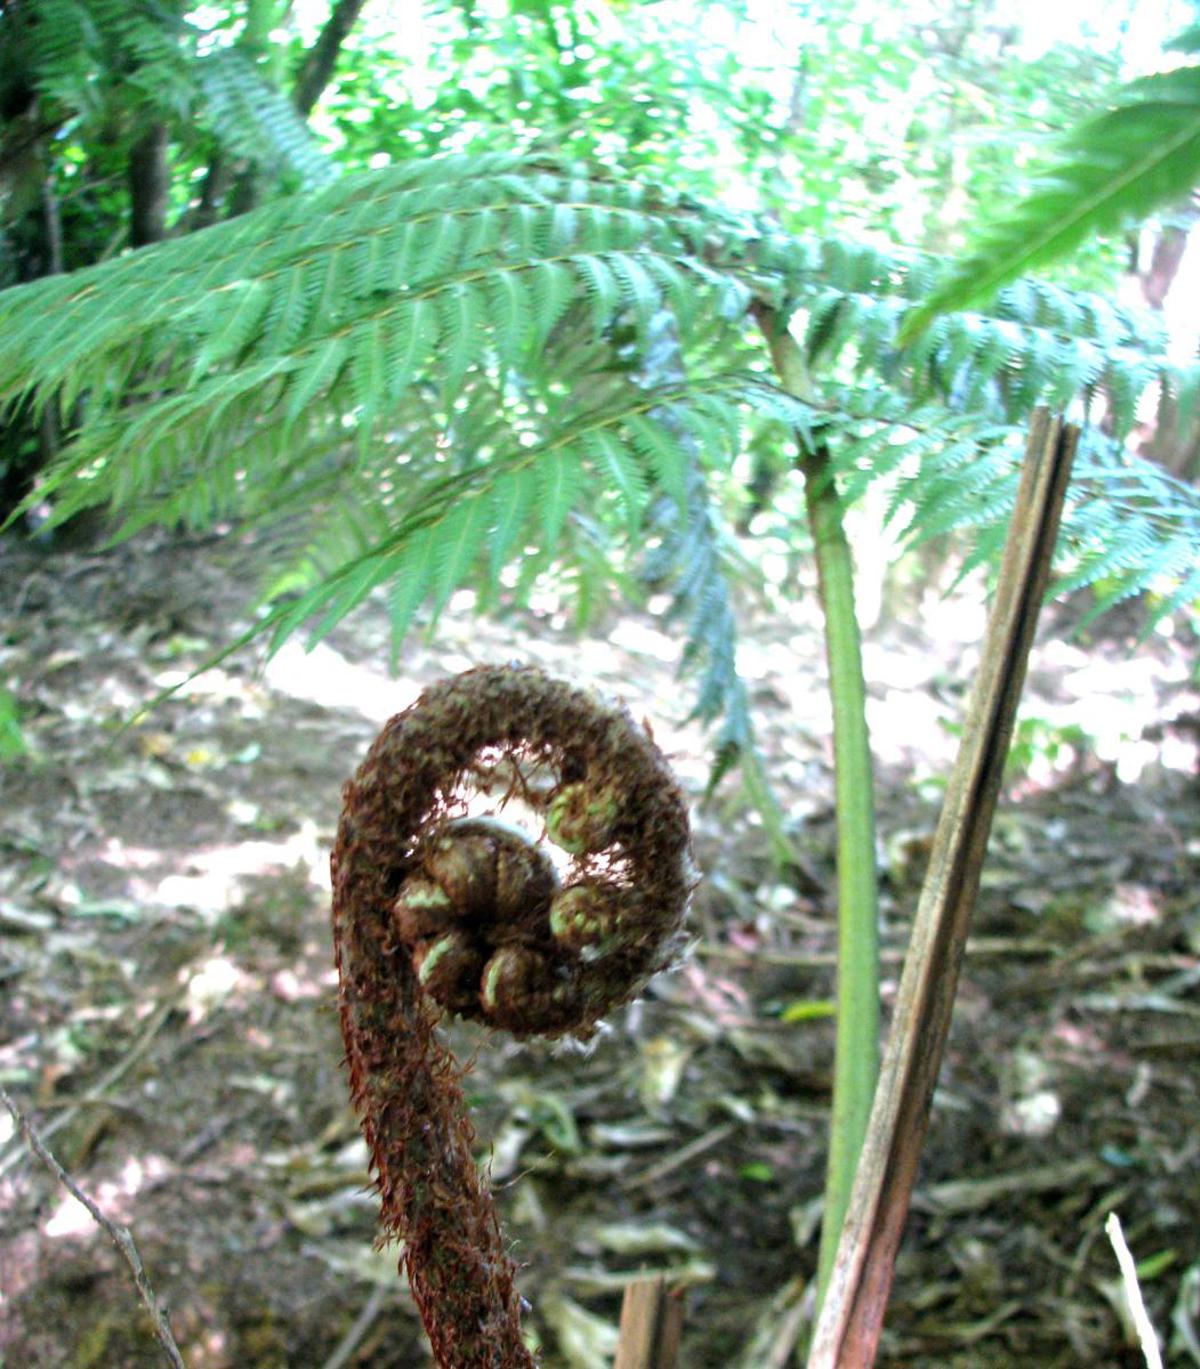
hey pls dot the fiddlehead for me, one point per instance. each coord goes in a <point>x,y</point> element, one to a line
<point>435,911</point>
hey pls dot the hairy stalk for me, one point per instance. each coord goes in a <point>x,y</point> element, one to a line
<point>437,912</point>
<point>856,1061</point>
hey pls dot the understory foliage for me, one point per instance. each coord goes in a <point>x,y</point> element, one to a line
<point>442,374</point>
<point>112,60</point>
<point>81,80</point>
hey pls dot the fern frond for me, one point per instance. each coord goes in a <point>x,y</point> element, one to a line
<point>79,51</point>
<point>254,119</point>
<point>474,360</point>
<point>1031,347</point>
<point>1128,526</point>
<point>1132,527</point>
<point>1142,153</point>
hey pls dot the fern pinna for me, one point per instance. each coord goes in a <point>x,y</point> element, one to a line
<point>421,374</point>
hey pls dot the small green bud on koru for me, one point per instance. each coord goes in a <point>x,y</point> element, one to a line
<point>438,914</point>
<point>581,819</point>
<point>586,918</point>
<point>482,893</point>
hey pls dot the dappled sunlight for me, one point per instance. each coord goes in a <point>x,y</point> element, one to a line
<point>910,722</point>
<point>1114,703</point>
<point>1129,905</point>
<point>214,685</point>
<point>212,881</point>
<point>323,676</point>
<point>70,1220</point>
<point>627,664</point>
<point>209,985</point>
<point>289,987</point>
<point>1103,701</point>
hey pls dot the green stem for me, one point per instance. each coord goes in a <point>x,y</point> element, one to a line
<point>856,1060</point>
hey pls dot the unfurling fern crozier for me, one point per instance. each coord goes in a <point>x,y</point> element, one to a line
<point>436,911</point>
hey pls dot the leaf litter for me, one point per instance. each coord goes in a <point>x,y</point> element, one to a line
<point>167,993</point>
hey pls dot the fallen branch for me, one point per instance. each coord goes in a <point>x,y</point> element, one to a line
<point>119,1235</point>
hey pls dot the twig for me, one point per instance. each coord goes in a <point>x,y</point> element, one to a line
<point>974,1195</point>
<point>119,1235</point>
<point>685,1156</point>
<point>362,1324</point>
<point>105,1082</point>
<point>651,1325</point>
<point>1133,1293</point>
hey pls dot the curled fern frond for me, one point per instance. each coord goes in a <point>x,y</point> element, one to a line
<point>435,913</point>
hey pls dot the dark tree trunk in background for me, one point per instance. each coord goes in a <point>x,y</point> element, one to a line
<point>1173,445</point>
<point>25,446</point>
<point>246,191</point>
<point>50,428</point>
<point>34,233</point>
<point>217,180</point>
<point>1157,278</point>
<point>149,186</point>
<point>314,76</point>
<point>322,56</point>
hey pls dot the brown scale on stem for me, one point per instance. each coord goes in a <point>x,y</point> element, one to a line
<point>434,913</point>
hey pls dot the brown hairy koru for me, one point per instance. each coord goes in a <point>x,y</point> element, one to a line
<point>436,912</point>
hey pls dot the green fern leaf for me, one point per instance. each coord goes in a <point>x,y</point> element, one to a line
<point>663,453</point>
<point>558,479</point>
<point>612,458</point>
<point>411,331</point>
<point>290,310</point>
<point>368,376</point>
<point>512,498</point>
<point>410,585</point>
<point>601,287</point>
<point>461,312</point>
<point>337,594</point>
<point>638,288</point>
<point>435,249</point>
<point>484,231</point>
<point>255,120</point>
<point>247,306</point>
<point>316,374</point>
<point>509,315</point>
<point>551,291</point>
<point>461,537</point>
<point>1135,157</point>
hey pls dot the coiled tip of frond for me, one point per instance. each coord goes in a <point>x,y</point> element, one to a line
<point>437,909</point>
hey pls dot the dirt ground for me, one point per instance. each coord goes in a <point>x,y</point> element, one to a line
<point>167,993</point>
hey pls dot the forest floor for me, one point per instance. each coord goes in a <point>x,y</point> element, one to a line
<point>167,993</point>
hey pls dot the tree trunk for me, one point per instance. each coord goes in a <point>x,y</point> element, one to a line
<point>322,57</point>
<point>217,180</point>
<point>1165,259</point>
<point>1174,445</point>
<point>149,184</point>
<point>27,446</point>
